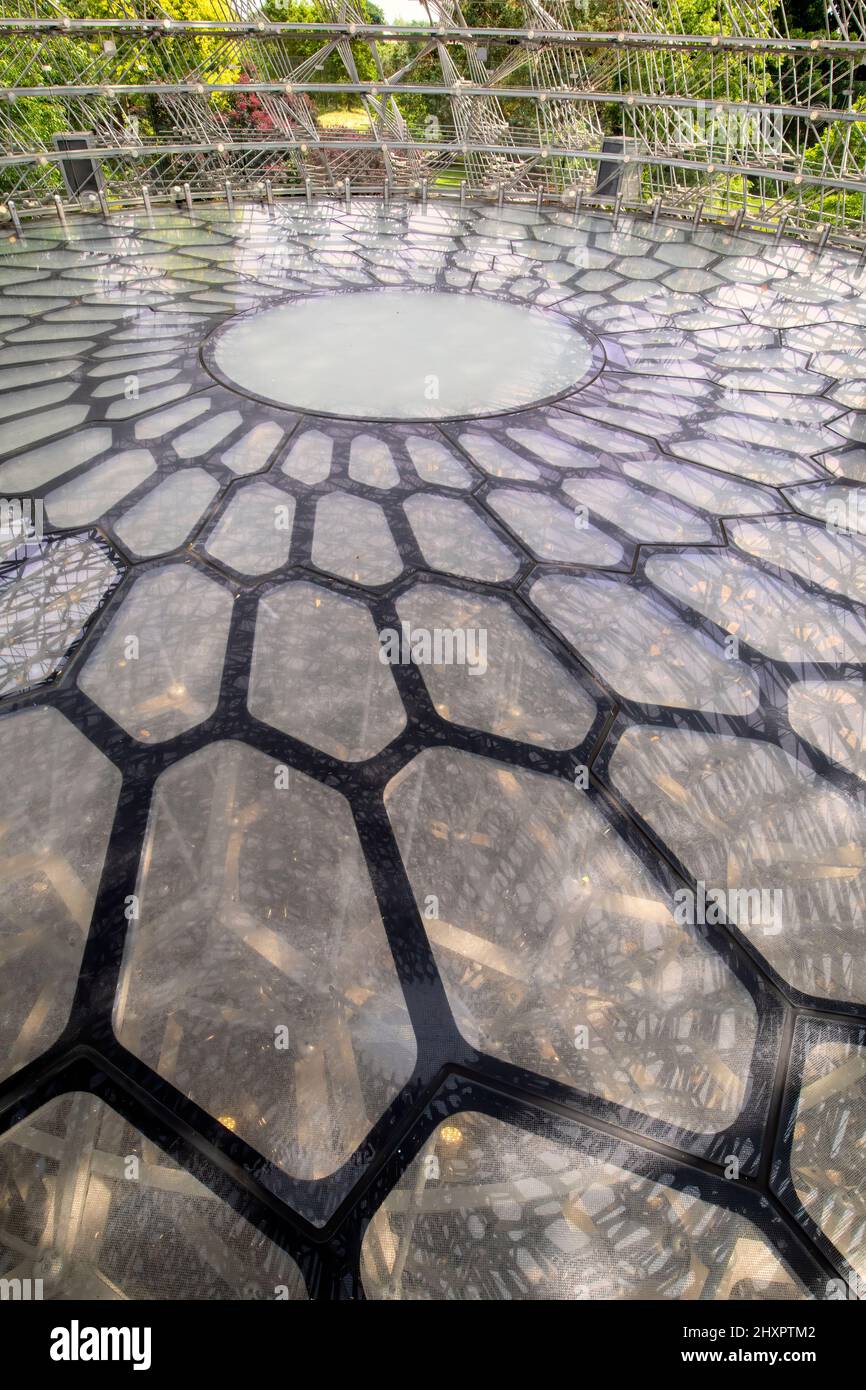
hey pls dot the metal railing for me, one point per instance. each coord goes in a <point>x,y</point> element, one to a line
<point>749,124</point>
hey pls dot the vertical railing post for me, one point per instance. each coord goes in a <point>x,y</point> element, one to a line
<point>60,213</point>
<point>13,213</point>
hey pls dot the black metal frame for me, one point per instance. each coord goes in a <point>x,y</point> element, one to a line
<point>322,1223</point>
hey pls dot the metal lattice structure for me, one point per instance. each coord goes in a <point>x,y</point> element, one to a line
<point>744,121</point>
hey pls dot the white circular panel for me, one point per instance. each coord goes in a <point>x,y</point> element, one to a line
<point>401,355</point>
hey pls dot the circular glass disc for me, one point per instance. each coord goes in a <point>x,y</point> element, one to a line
<point>401,355</point>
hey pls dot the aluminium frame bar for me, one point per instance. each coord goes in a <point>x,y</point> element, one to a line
<point>543,38</point>
<point>382,88</point>
<point>796,177</point>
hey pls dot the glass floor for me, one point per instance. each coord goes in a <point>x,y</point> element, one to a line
<point>433,736</point>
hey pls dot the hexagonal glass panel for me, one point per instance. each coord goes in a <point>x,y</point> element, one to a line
<point>163,519</point>
<point>772,466</point>
<point>452,537</point>
<point>846,463</point>
<point>558,951</point>
<point>779,619</point>
<point>434,463</point>
<point>496,459</point>
<point>99,1213</point>
<point>258,978</point>
<point>699,488</point>
<point>842,506</point>
<point>644,650</point>
<point>157,668</point>
<point>254,533</point>
<point>816,553</point>
<point>487,1211</point>
<point>309,459</point>
<point>253,451</point>
<point>352,539</point>
<point>165,421</point>
<point>316,673</point>
<point>552,531</point>
<point>49,590</point>
<point>204,438</point>
<point>50,866</point>
<point>749,821</point>
<point>640,514</point>
<point>827,1141</point>
<point>546,447</point>
<point>39,425</point>
<point>39,466</point>
<point>494,674</point>
<point>595,438</point>
<point>95,492</point>
<point>371,462</point>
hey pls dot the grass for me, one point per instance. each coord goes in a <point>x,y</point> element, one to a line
<point>356,119</point>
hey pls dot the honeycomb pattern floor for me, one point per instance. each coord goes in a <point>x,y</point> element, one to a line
<point>531,967</point>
